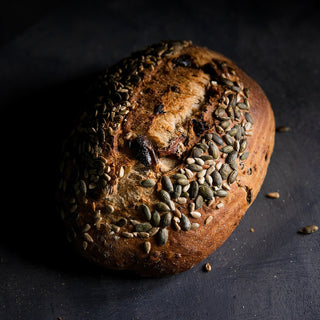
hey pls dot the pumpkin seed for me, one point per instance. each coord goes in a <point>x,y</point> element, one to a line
<point>185,223</point>
<point>206,192</point>
<point>217,139</point>
<point>216,178</point>
<point>161,206</point>
<point>167,184</point>
<point>213,150</point>
<point>155,220</point>
<point>243,145</point>
<point>163,235</point>
<point>232,132</point>
<point>166,220</point>
<point>148,183</point>
<point>227,149</point>
<point>146,212</point>
<point>183,182</point>
<point>244,156</point>
<point>228,139</point>
<point>83,187</point>
<point>242,106</point>
<point>177,191</point>
<point>221,193</point>
<point>232,177</point>
<point>143,227</point>
<point>164,196</point>
<point>193,190</point>
<point>232,156</point>
<point>194,167</point>
<point>224,171</point>
<point>197,152</point>
<point>198,202</point>
<point>178,176</point>
<point>248,117</point>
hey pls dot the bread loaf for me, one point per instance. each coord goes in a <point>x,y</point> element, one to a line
<point>163,164</point>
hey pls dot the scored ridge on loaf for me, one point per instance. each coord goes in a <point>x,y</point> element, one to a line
<point>154,160</point>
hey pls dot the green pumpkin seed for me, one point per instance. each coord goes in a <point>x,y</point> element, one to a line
<point>183,182</point>
<point>197,152</point>
<point>162,235</point>
<point>177,191</point>
<point>209,136</point>
<point>155,220</point>
<point>227,149</point>
<point>224,171</point>
<point>161,206</point>
<point>244,156</point>
<point>198,202</point>
<point>203,146</point>
<point>193,190</point>
<point>166,220</point>
<point>248,117</point>
<point>213,150</point>
<point>185,223</point>
<point>225,124</point>
<point>216,178</point>
<point>228,139</point>
<point>242,106</point>
<point>217,139</point>
<point>221,193</point>
<point>194,167</point>
<point>178,176</point>
<point>148,183</point>
<point>167,184</point>
<point>232,132</point>
<point>243,145</point>
<point>164,196</point>
<point>146,212</point>
<point>143,227</point>
<point>232,177</point>
<point>232,156</point>
<point>83,187</point>
<point>206,192</point>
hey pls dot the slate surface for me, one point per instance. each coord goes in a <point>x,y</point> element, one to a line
<point>49,53</point>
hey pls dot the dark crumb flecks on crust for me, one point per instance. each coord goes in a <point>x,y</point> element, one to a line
<point>205,176</point>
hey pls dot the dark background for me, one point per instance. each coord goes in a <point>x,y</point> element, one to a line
<point>50,51</point>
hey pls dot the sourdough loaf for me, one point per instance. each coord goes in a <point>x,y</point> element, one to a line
<point>163,164</point>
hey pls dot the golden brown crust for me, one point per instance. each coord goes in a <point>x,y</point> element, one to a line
<point>176,135</point>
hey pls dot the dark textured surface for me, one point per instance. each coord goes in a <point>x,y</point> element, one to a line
<point>49,53</point>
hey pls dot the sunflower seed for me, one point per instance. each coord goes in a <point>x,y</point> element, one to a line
<point>190,160</point>
<point>163,235</point>
<point>177,213</point>
<point>147,247</point>
<point>181,200</point>
<point>87,237</point>
<point>197,152</point>
<point>209,179</point>
<point>83,187</point>
<point>186,188</point>
<point>121,172</point>
<point>194,226</point>
<point>195,214</point>
<point>207,267</point>
<point>127,234</point>
<point>148,183</point>
<point>167,184</point>
<point>86,228</point>
<point>199,161</point>
<point>192,206</point>
<point>242,106</point>
<point>109,208</point>
<point>85,245</point>
<point>283,129</point>
<point>153,231</point>
<point>201,173</point>
<point>185,223</point>
<point>273,195</point>
<point>189,173</point>
<point>208,220</point>
<point>309,229</point>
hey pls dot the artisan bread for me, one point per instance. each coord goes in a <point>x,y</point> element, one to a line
<point>165,160</point>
